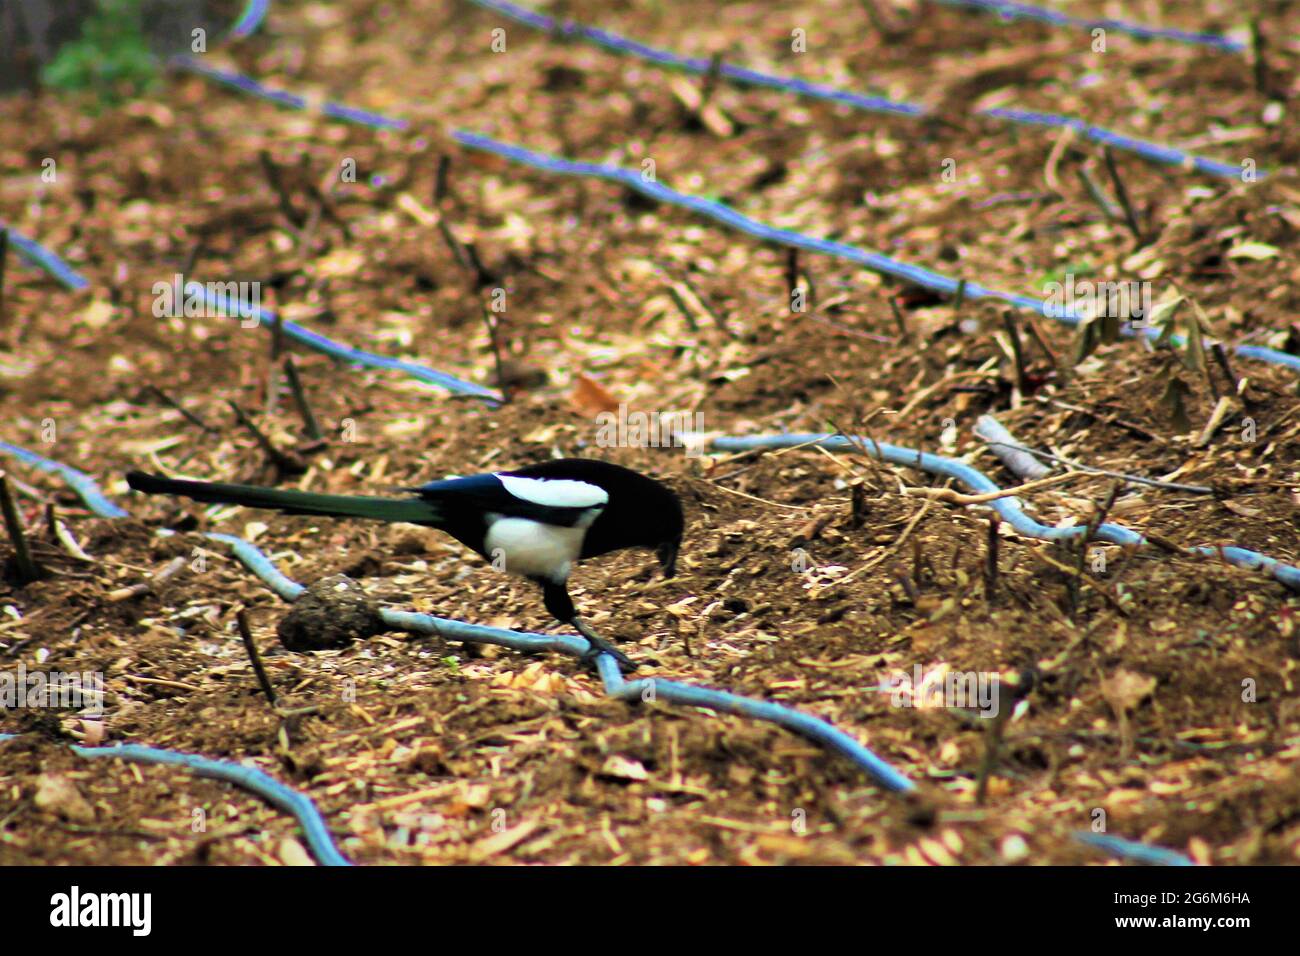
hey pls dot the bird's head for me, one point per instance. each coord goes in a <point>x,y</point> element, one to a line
<point>639,512</point>
<point>666,524</point>
<point>650,517</point>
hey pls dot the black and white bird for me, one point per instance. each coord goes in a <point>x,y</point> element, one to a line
<point>536,521</point>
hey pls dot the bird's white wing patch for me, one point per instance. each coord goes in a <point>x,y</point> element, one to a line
<point>555,493</point>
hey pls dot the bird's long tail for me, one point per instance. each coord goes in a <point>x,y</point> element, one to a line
<point>288,502</point>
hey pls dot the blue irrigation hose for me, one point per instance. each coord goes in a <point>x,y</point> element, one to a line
<point>1011,11</point>
<point>917,275</point>
<point>240,82</point>
<point>42,258</point>
<point>667,58</point>
<point>1132,850</point>
<point>220,304</point>
<point>1007,508</point>
<point>250,20</point>
<point>261,565</point>
<point>1108,137</point>
<point>875,261</point>
<point>814,728</point>
<point>246,84</point>
<point>872,104</point>
<point>298,805</point>
<point>78,481</point>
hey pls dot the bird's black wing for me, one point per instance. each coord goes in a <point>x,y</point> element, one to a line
<point>486,493</point>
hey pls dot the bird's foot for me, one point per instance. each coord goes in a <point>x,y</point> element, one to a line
<point>601,646</point>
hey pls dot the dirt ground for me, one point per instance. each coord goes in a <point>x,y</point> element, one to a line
<point>1165,690</point>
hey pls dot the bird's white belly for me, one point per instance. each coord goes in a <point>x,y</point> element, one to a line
<point>530,548</point>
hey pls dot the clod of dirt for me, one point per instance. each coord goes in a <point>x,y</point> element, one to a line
<point>333,612</point>
<point>58,795</point>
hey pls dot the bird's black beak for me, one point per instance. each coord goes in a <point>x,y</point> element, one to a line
<point>667,553</point>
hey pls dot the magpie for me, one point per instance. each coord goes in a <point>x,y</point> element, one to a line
<point>536,521</point>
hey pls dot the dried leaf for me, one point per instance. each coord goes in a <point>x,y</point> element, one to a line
<point>291,853</point>
<point>590,398</point>
<point>1124,690</point>
<point>1256,251</point>
<point>624,768</point>
<point>339,263</point>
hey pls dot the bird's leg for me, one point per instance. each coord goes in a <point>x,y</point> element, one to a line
<point>601,646</point>
<point>558,602</point>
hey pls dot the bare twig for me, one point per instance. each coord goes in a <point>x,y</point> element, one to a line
<point>1062,368</point>
<point>241,618</point>
<point>161,682</point>
<point>991,564</point>
<point>172,403</point>
<point>1009,323</point>
<point>791,276</point>
<point>1132,427</point>
<point>494,336</point>
<point>283,461</point>
<point>774,504</point>
<point>4,255</point>
<point>1136,479</point>
<point>944,382</point>
<point>272,173</point>
<point>992,751</point>
<point>324,206</point>
<point>167,572</point>
<point>454,244</point>
<point>898,317</point>
<point>300,400</point>
<point>483,276</point>
<point>1217,417</point>
<point>272,375</point>
<point>960,498</point>
<point>1008,694</point>
<point>28,571</point>
<point>1042,555</point>
<point>64,536</point>
<point>1094,190</point>
<point>898,543</point>
<point>1221,356</point>
<point>710,82</point>
<point>873,460</point>
<point>1130,215</point>
<point>467,256</point>
<point>691,303</point>
<point>440,180</point>
<point>1259,62</point>
<point>1097,520</point>
<point>1063,142</point>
